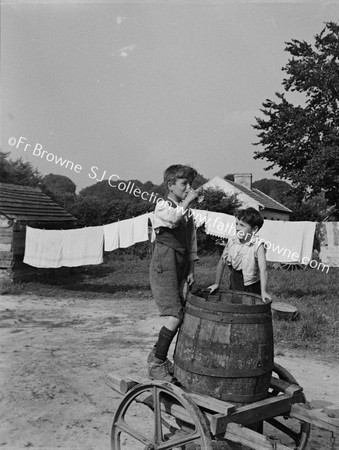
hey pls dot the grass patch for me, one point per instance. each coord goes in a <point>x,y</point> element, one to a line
<point>313,292</point>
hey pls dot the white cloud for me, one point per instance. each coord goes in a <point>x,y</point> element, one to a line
<point>125,51</point>
<point>119,20</point>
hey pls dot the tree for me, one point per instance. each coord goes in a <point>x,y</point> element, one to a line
<point>303,140</point>
<point>229,176</point>
<point>276,189</point>
<point>60,189</point>
<point>120,190</point>
<point>198,181</point>
<point>18,172</point>
<point>104,191</point>
<point>4,167</point>
<point>314,209</point>
<point>59,184</point>
<point>214,200</point>
<point>92,211</point>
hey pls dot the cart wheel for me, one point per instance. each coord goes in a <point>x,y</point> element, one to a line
<point>299,431</point>
<point>293,266</point>
<point>146,420</point>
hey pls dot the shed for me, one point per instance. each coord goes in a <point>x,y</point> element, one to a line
<point>21,206</point>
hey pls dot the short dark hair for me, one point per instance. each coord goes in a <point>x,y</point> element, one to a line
<point>250,216</point>
<point>173,173</point>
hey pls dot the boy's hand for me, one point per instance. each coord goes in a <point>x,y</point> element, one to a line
<point>190,279</point>
<point>191,196</point>
<point>265,297</point>
<point>213,288</point>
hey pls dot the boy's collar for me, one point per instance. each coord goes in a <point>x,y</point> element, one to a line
<point>173,201</point>
<point>251,241</point>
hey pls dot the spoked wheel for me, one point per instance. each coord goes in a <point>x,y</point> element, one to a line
<point>297,430</point>
<point>147,416</point>
<point>293,266</point>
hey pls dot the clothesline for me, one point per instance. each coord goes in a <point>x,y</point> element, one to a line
<point>82,246</point>
<point>284,241</point>
<point>69,248</point>
<point>289,241</point>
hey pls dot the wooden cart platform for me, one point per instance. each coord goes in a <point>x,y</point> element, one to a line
<point>186,420</point>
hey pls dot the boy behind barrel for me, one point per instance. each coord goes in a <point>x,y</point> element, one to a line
<point>244,254</point>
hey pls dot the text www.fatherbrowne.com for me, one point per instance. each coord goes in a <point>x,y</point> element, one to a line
<point>226,229</point>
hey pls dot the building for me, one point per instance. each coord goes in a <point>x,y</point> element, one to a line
<point>248,196</point>
<point>21,206</point>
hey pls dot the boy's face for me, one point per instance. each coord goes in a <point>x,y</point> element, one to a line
<point>179,190</point>
<point>244,230</point>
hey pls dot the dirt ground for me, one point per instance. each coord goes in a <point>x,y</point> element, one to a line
<point>56,354</point>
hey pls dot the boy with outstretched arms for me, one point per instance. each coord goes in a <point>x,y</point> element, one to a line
<point>244,254</point>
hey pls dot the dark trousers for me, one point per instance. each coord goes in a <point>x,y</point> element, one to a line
<point>237,283</point>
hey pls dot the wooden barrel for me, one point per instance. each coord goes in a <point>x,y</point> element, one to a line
<point>225,346</point>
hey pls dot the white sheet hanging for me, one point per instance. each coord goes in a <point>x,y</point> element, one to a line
<point>82,246</point>
<point>126,233</point>
<point>288,242</point>
<point>43,248</point>
<point>329,243</point>
<point>140,231</point>
<point>111,236</point>
<point>285,241</point>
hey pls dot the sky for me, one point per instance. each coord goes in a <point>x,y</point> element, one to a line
<point>128,88</point>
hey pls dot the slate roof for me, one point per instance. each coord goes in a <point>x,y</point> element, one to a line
<point>264,200</point>
<point>28,203</point>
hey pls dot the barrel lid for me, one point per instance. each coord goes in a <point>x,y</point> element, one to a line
<point>284,307</point>
<point>284,310</point>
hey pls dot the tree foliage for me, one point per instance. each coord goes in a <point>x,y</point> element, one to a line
<point>59,184</point>
<point>18,172</point>
<point>302,140</point>
<point>199,180</point>
<point>229,176</point>
<point>60,189</point>
<point>93,211</point>
<point>111,192</point>
<point>314,209</point>
<point>214,200</point>
<point>276,189</point>
<point>104,191</point>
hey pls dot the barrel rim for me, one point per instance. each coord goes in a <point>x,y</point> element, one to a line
<point>228,317</point>
<point>251,294</point>
<point>208,303</point>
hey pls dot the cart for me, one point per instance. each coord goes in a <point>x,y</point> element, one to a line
<point>157,415</point>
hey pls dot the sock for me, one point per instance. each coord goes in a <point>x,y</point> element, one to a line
<point>164,341</point>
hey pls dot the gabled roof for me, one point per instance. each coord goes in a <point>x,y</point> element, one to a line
<point>258,197</point>
<point>263,199</point>
<point>30,204</point>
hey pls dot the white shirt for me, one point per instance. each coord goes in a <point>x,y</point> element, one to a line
<point>167,216</point>
<point>244,256</point>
